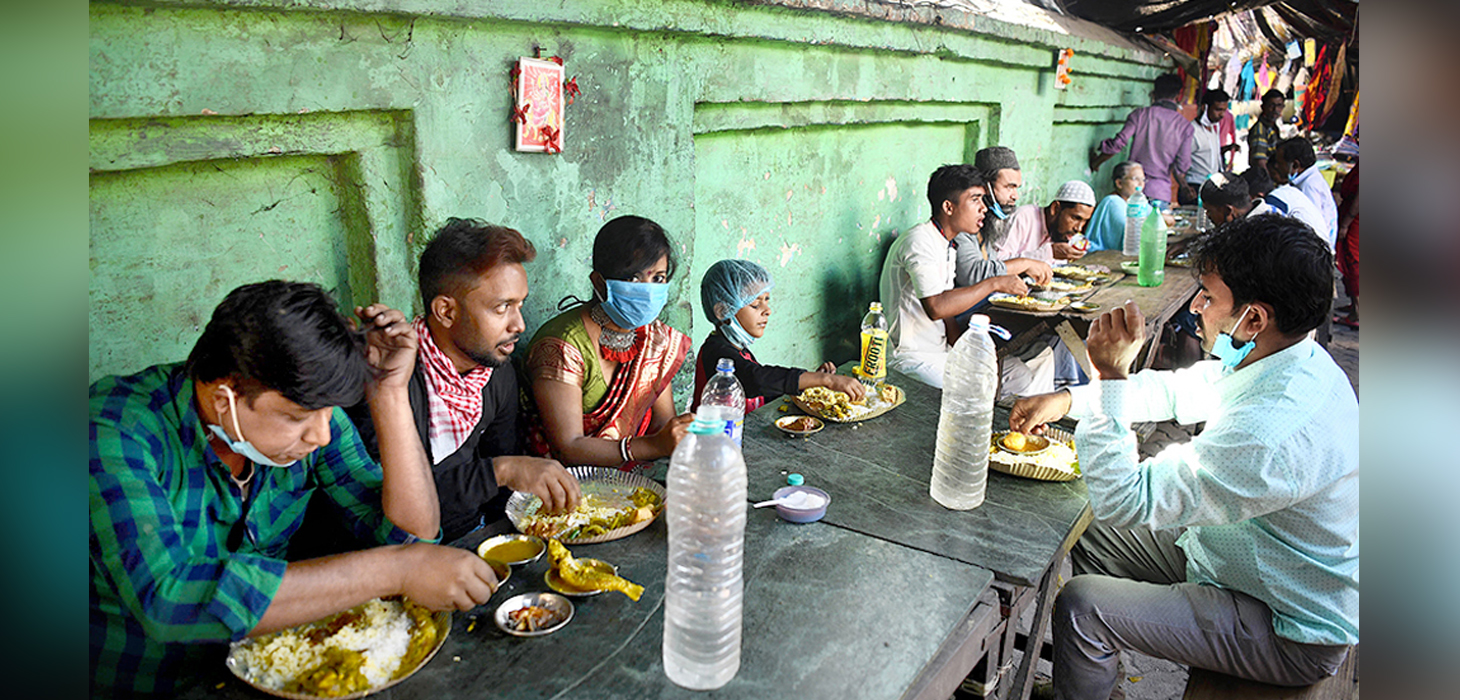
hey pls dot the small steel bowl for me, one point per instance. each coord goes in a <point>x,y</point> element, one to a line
<point>484,550</point>
<point>561,607</point>
<point>801,515</point>
<point>556,582</point>
<point>1042,443</point>
<point>1084,307</point>
<point>501,569</point>
<point>784,424</point>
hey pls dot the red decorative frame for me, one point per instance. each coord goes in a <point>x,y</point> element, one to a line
<point>538,110</point>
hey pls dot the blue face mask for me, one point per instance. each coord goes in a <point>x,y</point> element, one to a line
<point>995,209</point>
<point>1227,352</point>
<point>736,334</point>
<point>242,446</point>
<point>634,304</point>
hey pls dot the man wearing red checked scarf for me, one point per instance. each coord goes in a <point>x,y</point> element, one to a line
<point>463,390</point>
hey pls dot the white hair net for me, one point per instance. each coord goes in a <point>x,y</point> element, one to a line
<point>730,285</point>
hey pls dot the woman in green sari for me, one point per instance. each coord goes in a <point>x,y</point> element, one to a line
<point>600,371</point>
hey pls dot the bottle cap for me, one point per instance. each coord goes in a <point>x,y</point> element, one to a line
<point>875,306</point>
<point>795,479</point>
<point>725,365</point>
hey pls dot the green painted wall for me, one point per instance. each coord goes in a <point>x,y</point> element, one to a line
<point>233,141</point>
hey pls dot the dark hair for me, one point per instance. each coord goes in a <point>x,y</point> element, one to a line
<point>463,250</point>
<point>1273,93</point>
<point>1123,169</point>
<point>284,336</point>
<point>1296,150</point>
<point>1214,96</point>
<point>1276,260</point>
<point>1259,182</point>
<point>1232,192</point>
<point>949,181</point>
<point>627,245</point>
<point>1167,86</point>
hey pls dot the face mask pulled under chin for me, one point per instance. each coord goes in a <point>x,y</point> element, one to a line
<point>994,207</point>
<point>1227,352</point>
<point>737,335</point>
<point>241,446</point>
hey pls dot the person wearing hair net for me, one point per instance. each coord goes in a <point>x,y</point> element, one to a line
<point>736,297</point>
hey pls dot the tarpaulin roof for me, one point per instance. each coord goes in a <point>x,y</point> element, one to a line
<point>1317,18</point>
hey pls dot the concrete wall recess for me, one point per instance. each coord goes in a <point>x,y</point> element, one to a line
<point>238,140</point>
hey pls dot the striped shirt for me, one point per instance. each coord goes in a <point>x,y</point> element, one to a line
<point>166,587</point>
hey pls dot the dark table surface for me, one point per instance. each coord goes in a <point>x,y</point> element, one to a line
<point>828,613</point>
<point>877,473</point>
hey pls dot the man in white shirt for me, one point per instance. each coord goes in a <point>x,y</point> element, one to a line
<point>1239,550</point>
<point>1294,161</point>
<point>917,287</point>
<point>1286,200</point>
<point>1206,145</point>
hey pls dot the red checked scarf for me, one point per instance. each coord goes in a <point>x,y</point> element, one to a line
<point>454,399</point>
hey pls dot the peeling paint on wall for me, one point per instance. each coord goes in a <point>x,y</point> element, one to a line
<point>789,251</point>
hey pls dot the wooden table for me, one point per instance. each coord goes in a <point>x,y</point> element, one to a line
<point>1158,304</point>
<point>877,473</point>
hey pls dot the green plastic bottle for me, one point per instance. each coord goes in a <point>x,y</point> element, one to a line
<point>1152,271</point>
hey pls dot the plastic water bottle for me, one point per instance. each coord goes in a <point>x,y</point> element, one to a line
<point>1136,211</point>
<point>1152,271</point>
<point>961,456</point>
<point>723,401</point>
<point>706,510</point>
<point>874,346</point>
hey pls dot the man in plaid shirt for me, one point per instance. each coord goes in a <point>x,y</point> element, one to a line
<point>200,472</point>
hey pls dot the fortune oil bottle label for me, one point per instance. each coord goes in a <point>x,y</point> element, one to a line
<point>874,354</point>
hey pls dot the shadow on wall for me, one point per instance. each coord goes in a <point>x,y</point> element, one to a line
<point>845,298</point>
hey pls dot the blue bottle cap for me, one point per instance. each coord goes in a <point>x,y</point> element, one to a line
<point>795,479</point>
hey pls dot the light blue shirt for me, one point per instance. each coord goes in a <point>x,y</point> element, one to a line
<point>1268,492</point>
<point>1106,229</point>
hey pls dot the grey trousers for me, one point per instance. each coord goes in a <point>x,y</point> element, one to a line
<point>1130,592</point>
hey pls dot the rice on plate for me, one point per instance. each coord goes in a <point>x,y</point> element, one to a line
<point>358,650</point>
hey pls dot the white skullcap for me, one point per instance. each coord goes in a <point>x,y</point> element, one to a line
<point>1076,192</point>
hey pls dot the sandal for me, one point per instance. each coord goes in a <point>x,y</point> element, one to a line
<point>1346,321</point>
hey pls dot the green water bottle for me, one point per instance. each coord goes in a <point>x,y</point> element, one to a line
<point>1152,270</point>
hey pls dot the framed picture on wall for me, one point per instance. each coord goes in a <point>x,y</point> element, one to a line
<point>539,106</point>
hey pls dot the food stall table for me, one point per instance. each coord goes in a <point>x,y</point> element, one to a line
<point>1158,304</point>
<point>877,473</point>
<point>820,603</point>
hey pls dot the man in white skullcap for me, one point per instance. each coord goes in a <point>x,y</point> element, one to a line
<point>1051,232</point>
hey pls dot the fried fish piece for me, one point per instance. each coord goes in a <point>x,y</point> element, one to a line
<point>579,576</point>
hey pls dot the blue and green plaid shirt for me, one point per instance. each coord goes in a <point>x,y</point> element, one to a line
<point>171,576</point>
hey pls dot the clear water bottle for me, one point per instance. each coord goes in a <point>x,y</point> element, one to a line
<point>1203,222</point>
<point>1152,271</point>
<point>961,455</point>
<point>873,368</point>
<point>706,510</point>
<point>723,401</point>
<point>1136,211</point>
